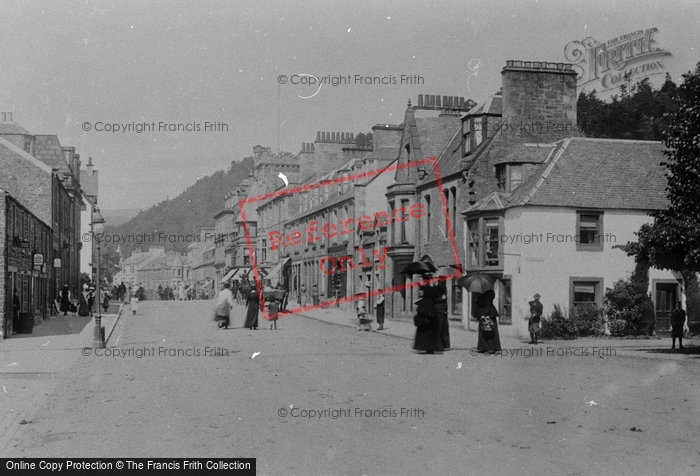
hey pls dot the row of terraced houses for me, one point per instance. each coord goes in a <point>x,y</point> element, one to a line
<point>46,205</point>
<point>508,188</point>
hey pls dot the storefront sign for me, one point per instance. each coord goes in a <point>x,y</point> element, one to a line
<point>57,262</point>
<point>38,259</point>
<point>608,65</point>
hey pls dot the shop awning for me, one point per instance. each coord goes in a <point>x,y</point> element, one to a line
<point>274,272</point>
<point>230,274</point>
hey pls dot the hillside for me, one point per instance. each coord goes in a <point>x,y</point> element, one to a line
<point>119,217</point>
<point>181,217</point>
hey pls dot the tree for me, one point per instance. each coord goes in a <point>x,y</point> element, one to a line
<point>364,140</point>
<point>672,241</point>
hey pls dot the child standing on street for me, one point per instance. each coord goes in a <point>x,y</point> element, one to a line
<point>134,304</point>
<point>362,316</point>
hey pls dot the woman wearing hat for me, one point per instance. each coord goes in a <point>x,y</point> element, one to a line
<point>428,336</point>
<point>65,300</point>
<point>534,321</point>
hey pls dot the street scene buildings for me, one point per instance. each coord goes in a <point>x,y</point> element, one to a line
<point>346,239</point>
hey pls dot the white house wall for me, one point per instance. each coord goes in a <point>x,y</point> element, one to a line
<point>545,265</point>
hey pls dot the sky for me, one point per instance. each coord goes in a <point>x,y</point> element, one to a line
<point>75,68</point>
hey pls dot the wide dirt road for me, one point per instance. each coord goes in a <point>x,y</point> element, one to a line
<point>388,411</point>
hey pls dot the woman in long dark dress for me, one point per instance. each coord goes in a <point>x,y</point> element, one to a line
<point>489,340</point>
<point>253,303</point>
<point>428,337</point>
<point>84,307</point>
<point>65,300</point>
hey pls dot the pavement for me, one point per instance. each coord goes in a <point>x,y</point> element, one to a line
<point>466,339</point>
<point>31,365</point>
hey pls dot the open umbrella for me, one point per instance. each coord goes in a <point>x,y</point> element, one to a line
<point>446,271</point>
<point>419,267</point>
<point>476,283</point>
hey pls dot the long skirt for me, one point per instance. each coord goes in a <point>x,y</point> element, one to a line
<point>428,338</point>
<point>489,341</point>
<point>83,308</point>
<point>251,317</point>
<point>445,331</point>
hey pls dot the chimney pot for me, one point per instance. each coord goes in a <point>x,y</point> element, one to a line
<point>318,135</point>
<point>444,101</point>
<point>518,64</point>
<point>437,101</point>
<point>530,64</point>
<point>509,63</point>
<point>551,65</point>
<point>420,99</point>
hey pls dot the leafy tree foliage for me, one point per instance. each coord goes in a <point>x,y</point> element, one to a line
<point>672,241</point>
<point>364,140</point>
<point>637,114</point>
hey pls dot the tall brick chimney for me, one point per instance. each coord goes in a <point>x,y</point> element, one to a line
<point>540,95</point>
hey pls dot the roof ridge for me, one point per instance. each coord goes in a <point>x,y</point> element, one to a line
<point>546,172</point>
<point>602,139</point>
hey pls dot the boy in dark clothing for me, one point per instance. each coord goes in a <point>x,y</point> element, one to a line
<point>534,321</point>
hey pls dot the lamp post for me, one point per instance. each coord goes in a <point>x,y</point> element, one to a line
<point>97,224</point>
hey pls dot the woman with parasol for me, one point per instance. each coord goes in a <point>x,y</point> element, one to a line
<point>487,315</point>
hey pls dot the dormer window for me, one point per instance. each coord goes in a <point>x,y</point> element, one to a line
<point>509,176</point>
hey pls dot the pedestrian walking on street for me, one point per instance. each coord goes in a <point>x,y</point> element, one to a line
<point>222,310</point>
<point>105,302</point>
<point>134,304</point>
<point>16,307</point>
<point>253,304</point>
<point>91,299</point>
<point>427,322</point>
<point>84,304</point>
<point>678,326</point>
<point>65,300</point>
<point>304,297</point>
<point>379,306</point>
<point>489,340</point>
<point>533,324</point>
<point>315,296</point>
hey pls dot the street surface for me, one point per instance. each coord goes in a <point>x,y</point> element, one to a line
<point>388,410</point>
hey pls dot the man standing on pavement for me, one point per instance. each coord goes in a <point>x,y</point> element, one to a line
<point>678,326</point>
<point>534,321</point>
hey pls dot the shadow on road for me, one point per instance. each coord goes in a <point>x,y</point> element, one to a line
<point>687,350</point>
<point>57,326</point>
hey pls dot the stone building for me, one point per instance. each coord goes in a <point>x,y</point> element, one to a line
<point>39,187</point>
<point>547,206</point>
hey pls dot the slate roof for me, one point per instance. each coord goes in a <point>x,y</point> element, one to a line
<point>434,133</point>
<point>12,128</point>
<point>89,182</point>
<point>48,149</point>
<point>599,173</point>
<point>493,105</point>
<point>449,159</point>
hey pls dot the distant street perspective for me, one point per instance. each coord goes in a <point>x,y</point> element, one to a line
<point>170,382</point>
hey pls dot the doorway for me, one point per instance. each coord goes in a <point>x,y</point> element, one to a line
<point>665,297</point>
